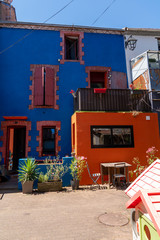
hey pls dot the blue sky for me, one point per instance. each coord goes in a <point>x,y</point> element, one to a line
<point>122,13</point>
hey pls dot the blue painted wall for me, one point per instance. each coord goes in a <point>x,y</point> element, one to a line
<point>43,47</point>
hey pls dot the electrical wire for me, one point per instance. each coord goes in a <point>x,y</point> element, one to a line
<point>59,11</point>
<point>25,36</point>
<point>104,12</point>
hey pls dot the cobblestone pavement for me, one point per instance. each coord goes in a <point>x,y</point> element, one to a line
<point>67,215</point>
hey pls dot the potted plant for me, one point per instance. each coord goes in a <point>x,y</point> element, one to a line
<point>27,173</point>
<point>78,164</point>
<point>52,179</point>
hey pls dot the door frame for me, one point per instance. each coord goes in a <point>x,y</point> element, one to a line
<point>5,125</point>
<point>8,144</point>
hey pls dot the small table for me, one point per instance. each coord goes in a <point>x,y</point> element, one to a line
<point>112,165</point>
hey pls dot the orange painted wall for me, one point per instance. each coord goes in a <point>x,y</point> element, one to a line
<point>146,134</point>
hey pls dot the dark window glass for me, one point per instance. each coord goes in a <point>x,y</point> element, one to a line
<point>71,48</point>
<point>48,141</point>
<point>122,136</point>
<point>97,79</point>
<point>158,44</point>
<point>111,136</point>
<point>101,136</point>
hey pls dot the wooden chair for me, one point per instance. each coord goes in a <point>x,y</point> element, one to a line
<point>119,177</point>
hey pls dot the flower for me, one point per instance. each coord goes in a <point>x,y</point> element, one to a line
<point>73,93</point>
<point>151,155</point>
<point>151,150</point>
<point>77,166</point>
<point>131,86</point>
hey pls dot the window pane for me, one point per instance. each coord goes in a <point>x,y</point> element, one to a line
<point>49,141</point>
<point>122,136</point>
<point>153,60</point>
<point>101,136</point>
<point>71,48</point>
<point>158,44</point>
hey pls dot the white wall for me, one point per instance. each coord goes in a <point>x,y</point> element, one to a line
<point>143,44</point>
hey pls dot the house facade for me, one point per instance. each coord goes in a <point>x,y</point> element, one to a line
<point>143,63</point>
<point>40,65</point>
<point>146,40</point>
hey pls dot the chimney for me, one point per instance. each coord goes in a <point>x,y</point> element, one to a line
<point>7,11</point>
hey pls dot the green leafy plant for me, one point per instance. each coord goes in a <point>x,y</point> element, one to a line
<point>78,164</point>
<point>150,159</point>
<point>43,177</point>
<point>52,160</point>
<point>139,168</point>
<point>55,170</point>
<point>28,171</point>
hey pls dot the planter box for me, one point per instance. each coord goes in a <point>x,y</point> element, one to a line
<point>50,186</point>
<point>100,90</point>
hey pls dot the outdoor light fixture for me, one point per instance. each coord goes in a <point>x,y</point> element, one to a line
<point>131,43</point>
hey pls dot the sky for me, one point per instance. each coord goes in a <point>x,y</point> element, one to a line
<point>121,13</point>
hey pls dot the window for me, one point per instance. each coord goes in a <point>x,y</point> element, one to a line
<point>71,48</point>
<point>97,79</point>
<point>48,141</point>
<point>44,86</point>
<point>111,136</point>
<point>48,138</point>
<point>154,60</point>
<point>158,44</point>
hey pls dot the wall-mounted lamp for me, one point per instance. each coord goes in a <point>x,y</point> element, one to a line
<point>130,43</point>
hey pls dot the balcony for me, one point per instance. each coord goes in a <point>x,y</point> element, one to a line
<point>112,100</point>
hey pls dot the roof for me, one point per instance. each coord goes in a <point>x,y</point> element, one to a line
<point>59,27</point>
<point>149,179</point>
<point>151,201</point>
<point>142,31</point>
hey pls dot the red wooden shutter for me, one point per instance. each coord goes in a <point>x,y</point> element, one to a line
<point>38,86</point>
<point>50,87</point>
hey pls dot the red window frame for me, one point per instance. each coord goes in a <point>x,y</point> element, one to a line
<point>106,70</point>
<point>48,124</point>
<point>80,35</point>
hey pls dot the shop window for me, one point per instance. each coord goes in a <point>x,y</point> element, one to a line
<point>44,86</point>
<point>111,136</point>
<point>48,146</point>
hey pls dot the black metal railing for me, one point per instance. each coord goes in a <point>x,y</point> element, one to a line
<point>112,100</point>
